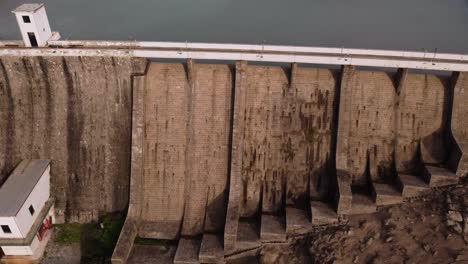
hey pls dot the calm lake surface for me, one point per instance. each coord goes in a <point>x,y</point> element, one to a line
<point>377,24</point>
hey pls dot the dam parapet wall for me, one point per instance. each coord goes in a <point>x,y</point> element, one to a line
<point>234,52</point>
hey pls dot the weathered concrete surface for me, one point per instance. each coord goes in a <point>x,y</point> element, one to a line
<point>75,111</point>
<point>343,195</point>
<point>307,136</point>
<point>420,121</point>
<point>138,143</point>
<point>211,249</point>
<point>187,123</point>
<point>210,128</point>
<point>187,251</point>
<point>386,194</point>
<point>78,112</point>
<point>263,139</point>
<point>439,176</point>
<point>142,254</point>
<point>272,228</point>
<point>248,235</point>
<point>379,127</point>
<point>459,124</point>
<point>126,241</point>
<point>129,231</point>
<point>365,129</point>
<point>322,213</point>
<point>412,186</point>
<point>287,135</point>
<point>298,221</point>
<point>237,149</point>
<point>166,120</point>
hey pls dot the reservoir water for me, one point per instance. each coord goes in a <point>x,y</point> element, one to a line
<point>377,24</point>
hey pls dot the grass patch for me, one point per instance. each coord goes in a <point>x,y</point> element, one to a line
<point>67,234</point>
<point>97,240</point>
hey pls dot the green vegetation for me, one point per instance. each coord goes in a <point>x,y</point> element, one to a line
<point>97,240</point>
<point>67,234</point>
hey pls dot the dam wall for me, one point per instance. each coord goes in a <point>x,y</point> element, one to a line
<point>287,136</point>
<point>366,135</point>
<point>228,149</point>
<point>75,111</point>
<point>459,113</point>
<point>186,149</point>
<point>422,121</point>
<point>196,148</point>
<point>388,121</point>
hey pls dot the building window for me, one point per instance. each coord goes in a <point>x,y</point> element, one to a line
<point>31,210</point>
<point>6,229</point>
<point>26,19</point>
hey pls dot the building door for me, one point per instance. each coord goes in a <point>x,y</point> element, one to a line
<point>32,39</point>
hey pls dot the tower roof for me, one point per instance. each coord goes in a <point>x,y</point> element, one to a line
<point>19,185</point>
<point>28,8</point>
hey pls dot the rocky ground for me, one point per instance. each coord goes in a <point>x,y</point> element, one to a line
<point>58,254</point>
<point>433,229</point>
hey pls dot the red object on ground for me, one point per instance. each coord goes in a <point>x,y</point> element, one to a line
<point>47,224</point>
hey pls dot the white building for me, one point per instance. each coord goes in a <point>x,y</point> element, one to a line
<point>34,25</point>
<point>26,210</point>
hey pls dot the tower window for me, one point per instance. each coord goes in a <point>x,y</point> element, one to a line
<point>26,19</point>
<point>6,229</point>
<point>31,210</point>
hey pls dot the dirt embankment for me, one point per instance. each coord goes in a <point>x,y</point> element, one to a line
<point>431,230</point>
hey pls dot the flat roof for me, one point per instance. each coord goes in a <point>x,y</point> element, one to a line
<point>18,186</point>
<point>28,8</point>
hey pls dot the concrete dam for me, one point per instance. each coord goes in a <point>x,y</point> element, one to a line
<point>228,157</point>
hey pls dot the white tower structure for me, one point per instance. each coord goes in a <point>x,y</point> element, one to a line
<point>34,25</point>
<point>26,210</point>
